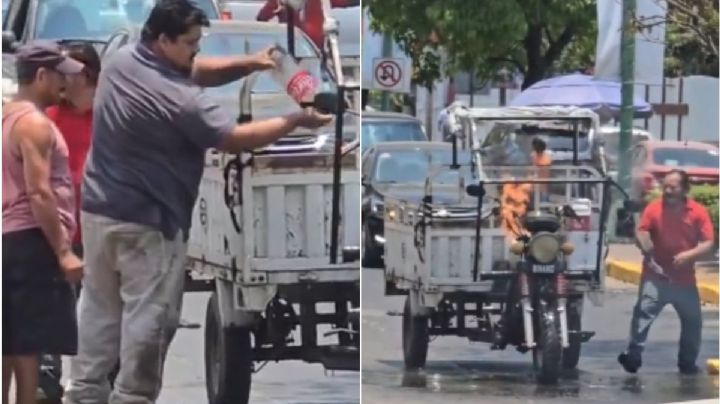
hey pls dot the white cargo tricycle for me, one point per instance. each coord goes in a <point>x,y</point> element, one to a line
<point>275,236</point>
<point>510,260</point>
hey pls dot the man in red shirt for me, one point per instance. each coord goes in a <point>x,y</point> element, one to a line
<point>674,232</point>
<point>74,116</point>
<point>313,18</point>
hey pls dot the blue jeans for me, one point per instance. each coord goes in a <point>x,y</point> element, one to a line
<point>652,298</point>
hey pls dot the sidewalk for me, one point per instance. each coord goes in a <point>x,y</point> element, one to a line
<point>624,263</point>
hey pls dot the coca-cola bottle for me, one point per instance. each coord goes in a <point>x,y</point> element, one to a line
<point>300,85</point>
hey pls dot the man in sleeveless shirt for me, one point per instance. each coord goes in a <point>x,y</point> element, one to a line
<point>38,223</point>
<point>152,125</point>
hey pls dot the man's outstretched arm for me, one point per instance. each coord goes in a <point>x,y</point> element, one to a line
<point>257,134</point>
<point>217,71</point>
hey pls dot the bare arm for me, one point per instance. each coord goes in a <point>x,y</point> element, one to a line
<point>217,71</point>
<point>706,235</point>
<point>268,11</point>
<point>258,134</point>
<point>33,136</point>
<point>644,242</point>
<point>702,249</point>
<point>253,135</point>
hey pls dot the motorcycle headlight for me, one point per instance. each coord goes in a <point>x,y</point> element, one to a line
<point>544,248</point>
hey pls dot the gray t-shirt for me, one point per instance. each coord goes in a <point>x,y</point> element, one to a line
<point>151,127</point>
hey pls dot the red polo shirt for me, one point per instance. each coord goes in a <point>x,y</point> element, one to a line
<point>76,128</point>
<point>673,231</point>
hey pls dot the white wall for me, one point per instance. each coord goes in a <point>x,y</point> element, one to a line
<point>701,93</point>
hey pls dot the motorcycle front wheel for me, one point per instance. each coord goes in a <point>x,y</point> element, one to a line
<point>547,354</point>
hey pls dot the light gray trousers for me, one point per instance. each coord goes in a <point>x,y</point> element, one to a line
<point>129,309</point>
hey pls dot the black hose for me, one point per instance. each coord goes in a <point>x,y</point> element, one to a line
<point>236,163</point>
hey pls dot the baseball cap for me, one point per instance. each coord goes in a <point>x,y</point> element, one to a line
<point>47,54</point>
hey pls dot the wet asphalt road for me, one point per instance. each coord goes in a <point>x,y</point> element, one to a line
<point>458,371</point>
<point>290,382</point>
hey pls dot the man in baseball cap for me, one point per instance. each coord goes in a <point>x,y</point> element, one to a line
<point>39,265</point>
<point>42,65</point>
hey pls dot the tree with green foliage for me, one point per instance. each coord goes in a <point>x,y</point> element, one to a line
<point>691,36</point>
<point>531,37</point>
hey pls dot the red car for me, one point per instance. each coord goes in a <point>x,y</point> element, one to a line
<point>653,159</point>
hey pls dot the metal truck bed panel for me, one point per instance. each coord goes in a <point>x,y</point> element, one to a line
<point>288,204</point>
<point>449,251</point>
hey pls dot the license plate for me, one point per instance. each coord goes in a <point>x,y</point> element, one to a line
<point>543,269</point>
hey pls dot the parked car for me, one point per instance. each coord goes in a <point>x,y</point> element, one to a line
<point>88,20</point>
<point>92,21</point>
<point>380,127</point>
<point>400,169</point>
<point>348,20</point>
<point>243,10</point>
<point>610,136</point>
<point>232,37</point>
<point>653,159</point>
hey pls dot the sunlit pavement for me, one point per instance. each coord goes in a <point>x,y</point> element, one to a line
<point>459,371</point>
<point>291,382</point>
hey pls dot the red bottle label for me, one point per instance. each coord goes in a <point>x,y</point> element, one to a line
<point>301,86</point>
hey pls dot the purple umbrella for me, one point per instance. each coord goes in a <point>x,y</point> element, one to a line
<point>579,90</point>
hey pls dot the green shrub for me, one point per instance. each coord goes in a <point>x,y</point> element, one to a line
<point>707,195</point>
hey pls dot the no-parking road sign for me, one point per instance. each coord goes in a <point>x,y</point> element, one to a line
<point>391,74</point>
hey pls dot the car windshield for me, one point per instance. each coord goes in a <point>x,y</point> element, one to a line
<point>413,166</point>
<point>688,158</point>
<point>243,43</point>
<point>374,132</point>
<point>5,5</point>
<point>95,19</point>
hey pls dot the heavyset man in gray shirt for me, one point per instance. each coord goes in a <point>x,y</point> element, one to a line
<point>153,123</point>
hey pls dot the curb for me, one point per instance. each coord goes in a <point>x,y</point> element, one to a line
<point>630,272</point>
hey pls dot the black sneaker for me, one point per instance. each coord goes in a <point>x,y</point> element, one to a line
<point>689,370</point>
<point>631,364</point>
<point>49,389</point>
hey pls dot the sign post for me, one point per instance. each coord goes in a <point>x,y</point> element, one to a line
<point>627,70</point>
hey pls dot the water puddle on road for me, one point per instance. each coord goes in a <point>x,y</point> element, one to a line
<point>516,380</point>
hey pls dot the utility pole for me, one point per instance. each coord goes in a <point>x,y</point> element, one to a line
<point>627,76</point>
<point>386,53</point>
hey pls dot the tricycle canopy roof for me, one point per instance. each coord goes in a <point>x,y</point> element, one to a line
<point>531,113</point>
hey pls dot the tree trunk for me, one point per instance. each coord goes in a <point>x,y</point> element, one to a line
<point>535,61</point>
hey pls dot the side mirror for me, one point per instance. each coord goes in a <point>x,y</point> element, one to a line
<point>9,41</point>
<point>475,190</point>
<point>625,225</point>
